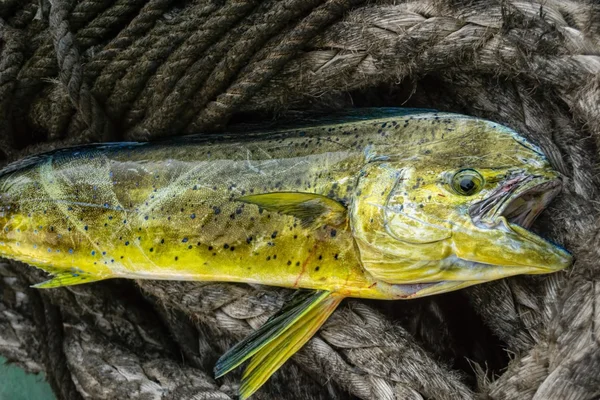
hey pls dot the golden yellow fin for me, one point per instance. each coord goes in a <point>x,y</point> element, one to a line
<point>74,277</point>
<point>309,208</point>
<point>272,356</point>
<point>279,338</point>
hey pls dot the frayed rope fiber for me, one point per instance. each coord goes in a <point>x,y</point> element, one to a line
<point>98,70</point>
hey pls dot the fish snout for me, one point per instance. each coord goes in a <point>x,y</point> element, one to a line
<point>539,253</point>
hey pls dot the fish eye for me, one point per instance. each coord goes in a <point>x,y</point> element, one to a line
<point>467,182</point>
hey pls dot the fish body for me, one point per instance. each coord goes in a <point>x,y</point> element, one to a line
<point>383,204</point>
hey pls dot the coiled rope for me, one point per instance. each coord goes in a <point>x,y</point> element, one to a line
<point>132,69</point>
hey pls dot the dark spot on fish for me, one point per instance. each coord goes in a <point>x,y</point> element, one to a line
<point>268,258</point>
<point>126,243</point>
<point>217,210</point>
<point>335,256</point>
<point>317,268</point>
<point>176,258</point>
<point>297,263</point>
<point>190,246</point>
<point>232,248</point>
<point>289,262</point>
<point>225,246</point>
<point>184,240</point>
<point>274,235</point>
<point>210,248</point>
<point>151,249</point>
<point>333,233</point>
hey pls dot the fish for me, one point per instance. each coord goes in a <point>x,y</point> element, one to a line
<point>384,204</point>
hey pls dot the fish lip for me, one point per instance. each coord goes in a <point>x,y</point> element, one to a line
<point>519,200</point>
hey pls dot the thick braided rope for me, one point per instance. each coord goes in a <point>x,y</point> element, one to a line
<point>257,74</point>
<point>130,69</point>
<point>264,25</point>
<point>357,348</point>
<point>511,71</point>
<point>378,44</point>
<point>71,72</point>
<point>175,66</point>
<point>196,74</point>
<point>90,27</point>
<point>11,59</point>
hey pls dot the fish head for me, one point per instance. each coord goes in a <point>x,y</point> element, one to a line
<point>457,209</point>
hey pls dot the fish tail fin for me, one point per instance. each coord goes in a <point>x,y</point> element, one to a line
<point>278,339</point>
<point>69,278</point>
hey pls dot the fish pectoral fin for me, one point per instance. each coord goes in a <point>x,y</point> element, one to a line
<point>278,339</point>
<point>68,279</point>
<point>307,207</point>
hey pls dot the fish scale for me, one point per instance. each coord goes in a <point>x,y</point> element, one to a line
<point>373,204</point>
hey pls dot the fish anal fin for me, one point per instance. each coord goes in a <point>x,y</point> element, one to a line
<point>272,356</point>
<point>309,208</point>
<point>278,339</point>
<point>68,278</point>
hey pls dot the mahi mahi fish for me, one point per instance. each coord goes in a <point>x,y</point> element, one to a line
<point>375,203</point>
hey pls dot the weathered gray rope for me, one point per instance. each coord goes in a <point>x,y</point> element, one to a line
<point>380,43</point>
<point>71,72</point>
<point>160,66</point>
<point>11,59</point>
<point>358,348</point>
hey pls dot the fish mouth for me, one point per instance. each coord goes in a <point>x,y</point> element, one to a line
<point>503,219</point>
<point>524,208</point>
<point>520,200</point>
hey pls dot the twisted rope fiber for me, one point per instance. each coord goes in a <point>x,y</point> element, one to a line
<point>382,43</point>
<point>43,63</point>
<point>136,64</point>
<point>258,73</point>
<point>217,24</point>
<point>529,65</point>
<point>11,59</point>
<point>71,72</point>
<point>238,50</point>
<point>196,73</point>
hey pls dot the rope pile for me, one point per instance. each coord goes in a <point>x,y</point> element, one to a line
<point>98,70</point>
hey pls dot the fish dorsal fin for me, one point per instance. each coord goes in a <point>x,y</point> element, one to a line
<point>278,339</point>
<point>309,208</point>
